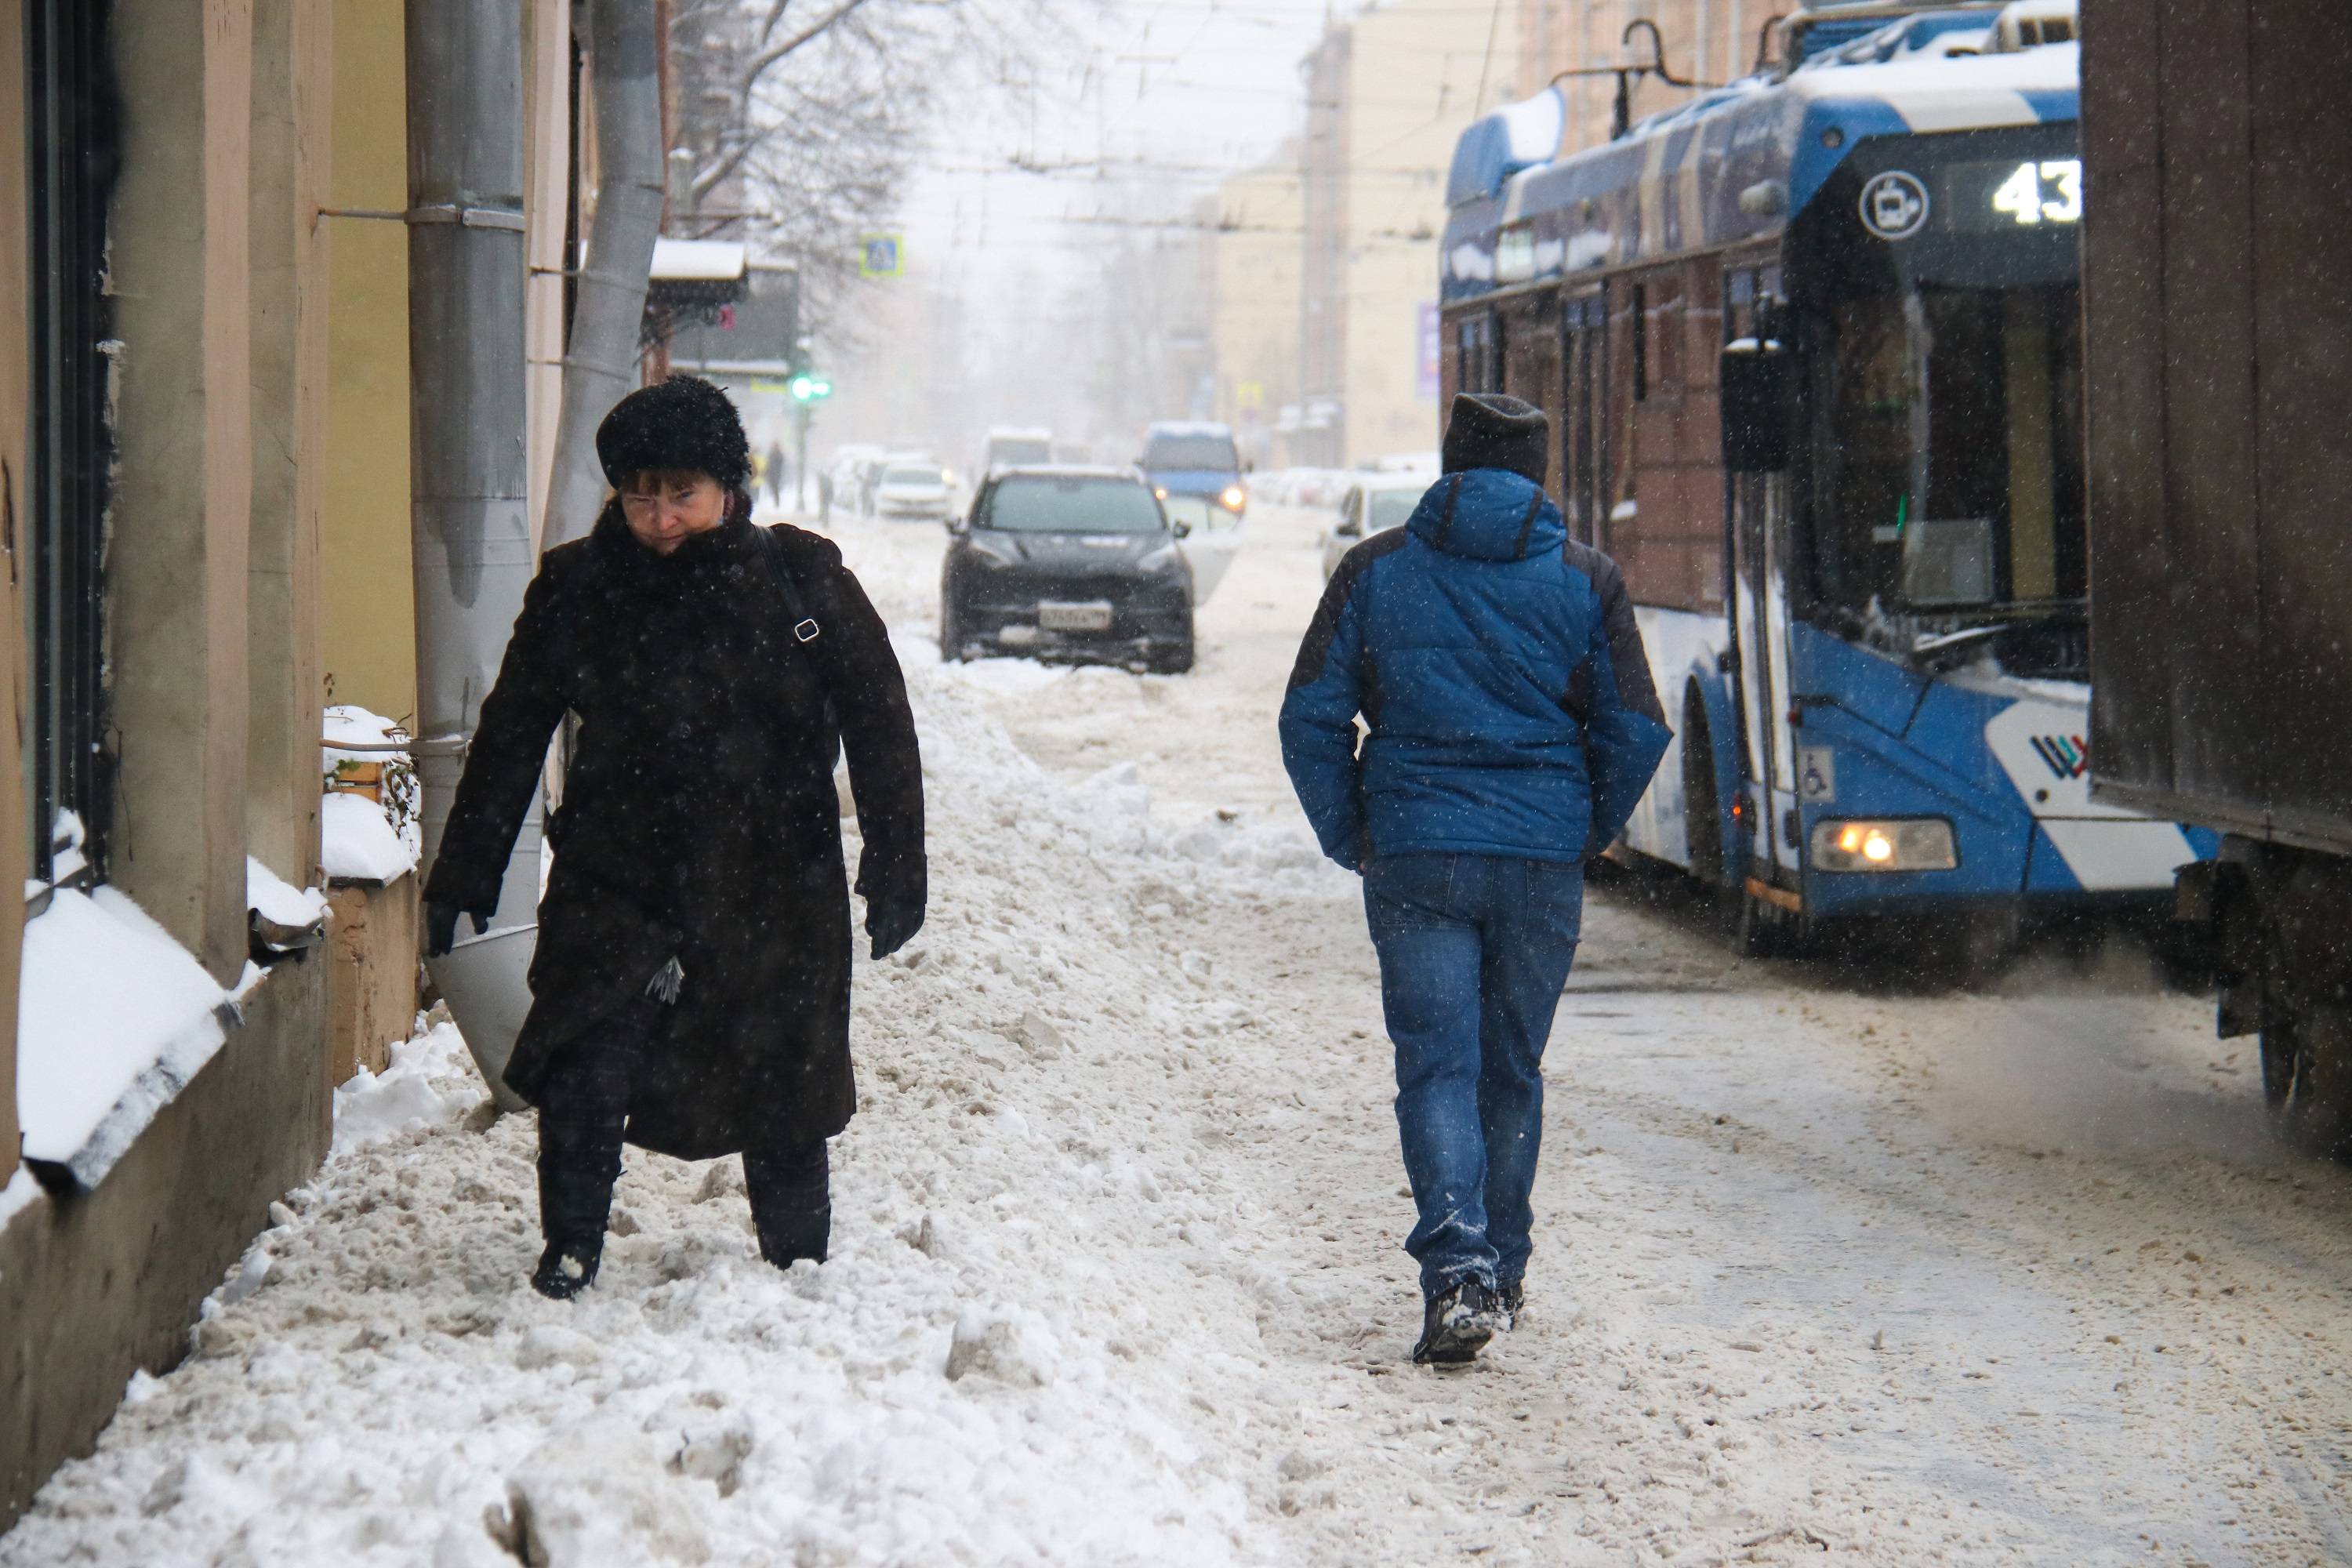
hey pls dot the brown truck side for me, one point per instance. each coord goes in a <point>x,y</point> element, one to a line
<point>2216,271</point>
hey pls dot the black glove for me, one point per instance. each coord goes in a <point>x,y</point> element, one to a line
<point>892,923</point>
<point>441,926</point>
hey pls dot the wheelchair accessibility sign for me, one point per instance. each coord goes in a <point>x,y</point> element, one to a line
<point>881,256</point>
<point>1817,776</point>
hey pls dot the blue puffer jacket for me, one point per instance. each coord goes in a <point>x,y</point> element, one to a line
<point>1499,673</point>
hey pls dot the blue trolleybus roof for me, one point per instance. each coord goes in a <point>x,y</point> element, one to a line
<point>1733,164</point>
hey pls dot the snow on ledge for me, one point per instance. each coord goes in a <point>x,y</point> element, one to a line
<point>364,839</point>
<point>358,843</point>
<point>279,902</point>
<point>114,1019</point>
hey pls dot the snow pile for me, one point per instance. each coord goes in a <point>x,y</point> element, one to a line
<point>365,840</point>
<point>429,1084</point>
<point>114,1019</point>
<point>980,1375</point>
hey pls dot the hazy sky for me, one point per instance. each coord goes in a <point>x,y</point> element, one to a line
<point>1175,94</point>
<point>1133,112</point>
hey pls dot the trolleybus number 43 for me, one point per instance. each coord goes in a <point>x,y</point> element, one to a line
<point>2022,197</point>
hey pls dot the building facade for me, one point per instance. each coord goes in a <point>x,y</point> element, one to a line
<point>1254,304</point>
<point>204,460</point>
<point>1704,41</point>
<point>1364,193</point>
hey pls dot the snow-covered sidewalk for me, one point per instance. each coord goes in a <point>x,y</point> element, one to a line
<point>1891,1278</point>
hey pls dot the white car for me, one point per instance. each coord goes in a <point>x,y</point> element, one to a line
<point>1373,504</point>
<point>912,489</point>
<point>1213,534</point>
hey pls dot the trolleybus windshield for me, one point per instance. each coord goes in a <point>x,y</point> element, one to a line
<point>1937,281</point>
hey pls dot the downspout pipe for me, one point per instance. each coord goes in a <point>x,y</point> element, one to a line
<point>468,512</point>
<point>600,362</point>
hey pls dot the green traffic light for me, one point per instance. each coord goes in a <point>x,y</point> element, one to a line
<point>805,388</point>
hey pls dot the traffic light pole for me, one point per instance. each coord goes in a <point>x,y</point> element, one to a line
<point>800,457</point>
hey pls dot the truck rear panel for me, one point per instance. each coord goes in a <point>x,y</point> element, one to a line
<point>2218,293</point>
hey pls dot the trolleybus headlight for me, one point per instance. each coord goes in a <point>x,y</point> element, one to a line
<point>1895,844</point>
<point>1232,497</point>
<point>1160,490</point>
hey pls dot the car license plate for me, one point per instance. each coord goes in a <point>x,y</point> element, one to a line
<point>1088,617</point>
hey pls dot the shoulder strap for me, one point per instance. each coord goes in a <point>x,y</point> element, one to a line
<point>804,627</point>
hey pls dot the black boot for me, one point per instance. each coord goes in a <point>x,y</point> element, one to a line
<point>1455,1325</point>
<point>1509,1300</point>
<point>791,1200</point>
<point>575,1197</point>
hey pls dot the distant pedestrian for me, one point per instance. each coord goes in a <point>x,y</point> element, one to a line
<point>777,472</point>
<point>824,496</point>
<point>690,993</point>
<point>1512,725</point>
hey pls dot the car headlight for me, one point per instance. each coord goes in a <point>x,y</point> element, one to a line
<point>989,554</point>
<point>1160,492</point>
<point>1167,558</point>
<point>1233,498</point>
<point>1892,844</point>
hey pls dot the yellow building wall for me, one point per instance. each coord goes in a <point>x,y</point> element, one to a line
<point>368,616</point>
<point>1417,78</point>
<point>1254,324</point>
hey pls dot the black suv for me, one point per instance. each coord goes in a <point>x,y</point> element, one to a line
<point>1068,563</point>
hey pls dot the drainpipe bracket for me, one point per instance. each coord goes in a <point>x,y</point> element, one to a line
<point>466,217</point>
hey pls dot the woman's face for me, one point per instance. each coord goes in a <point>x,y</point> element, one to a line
<point>664,511</point>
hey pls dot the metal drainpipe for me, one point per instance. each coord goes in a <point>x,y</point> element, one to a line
<point>600,363</point>
<point>468,517</point>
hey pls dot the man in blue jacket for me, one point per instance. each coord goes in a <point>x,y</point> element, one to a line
<point>1511,724</point>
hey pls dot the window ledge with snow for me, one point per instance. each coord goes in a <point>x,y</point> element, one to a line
<point>368,827</point>
<point>114,1018</point>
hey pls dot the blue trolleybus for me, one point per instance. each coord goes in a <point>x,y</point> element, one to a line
<point>1811,344</point>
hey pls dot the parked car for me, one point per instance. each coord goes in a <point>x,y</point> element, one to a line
<point>1372,504</point>
<point>1068,563</point>
<point>1184,458</point>
<point>908,489</point>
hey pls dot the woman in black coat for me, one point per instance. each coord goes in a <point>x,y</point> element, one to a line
<point>691,992</point>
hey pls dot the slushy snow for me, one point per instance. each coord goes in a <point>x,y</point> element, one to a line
<point>1824,1272</point>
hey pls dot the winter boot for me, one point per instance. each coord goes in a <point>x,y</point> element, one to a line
<point>1509,1301</point>
<point>1455,1325</point>
<point>575,1197</point>
<point>791,1200</point>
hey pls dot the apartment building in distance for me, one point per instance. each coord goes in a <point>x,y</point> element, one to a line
<point>1359,202</point>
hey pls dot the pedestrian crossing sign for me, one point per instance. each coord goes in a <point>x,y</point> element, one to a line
<point>881,256</point>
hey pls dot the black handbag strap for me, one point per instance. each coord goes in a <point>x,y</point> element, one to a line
<point>805,625</point>
<point>805,629</point>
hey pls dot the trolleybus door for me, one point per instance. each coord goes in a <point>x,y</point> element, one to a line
<point>1759,546</point>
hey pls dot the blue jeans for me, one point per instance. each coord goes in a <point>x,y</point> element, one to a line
<point>1475,951</point>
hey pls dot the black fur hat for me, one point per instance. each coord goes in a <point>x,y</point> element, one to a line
<point>1489,430</point>
<point>682,423</point>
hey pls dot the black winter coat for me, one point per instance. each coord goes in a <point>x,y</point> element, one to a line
<point>699,820</point>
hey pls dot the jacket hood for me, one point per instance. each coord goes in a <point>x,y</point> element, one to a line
<point>1488,514</point>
